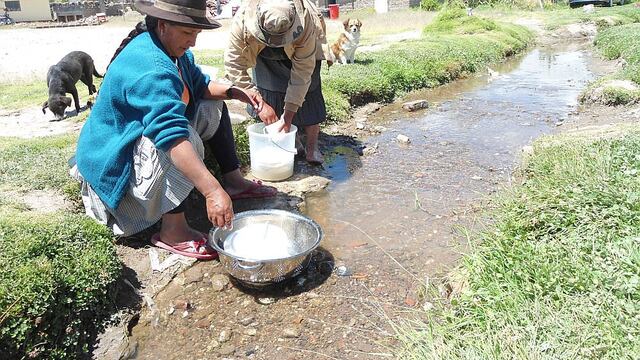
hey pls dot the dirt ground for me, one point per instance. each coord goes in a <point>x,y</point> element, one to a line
<point>330,313</point>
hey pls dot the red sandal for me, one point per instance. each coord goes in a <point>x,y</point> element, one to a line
<point>195,248</point>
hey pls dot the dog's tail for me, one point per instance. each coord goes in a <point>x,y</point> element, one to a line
<point>96,74</point>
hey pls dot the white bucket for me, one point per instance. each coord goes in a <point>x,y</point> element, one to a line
<point>271,155</point>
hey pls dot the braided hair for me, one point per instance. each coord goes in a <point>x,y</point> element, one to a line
<point>149,24</point>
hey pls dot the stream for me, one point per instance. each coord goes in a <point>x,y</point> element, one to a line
<point>392,220</point>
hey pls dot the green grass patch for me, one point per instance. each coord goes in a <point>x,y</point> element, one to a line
<point>618,42</point>
<point>558,277</point>
<point>36,164</point>
<point>213,58</point>
<point>20,95</point>
<point>602,16</point>
<point>451,47</point>
<point>53,286</point>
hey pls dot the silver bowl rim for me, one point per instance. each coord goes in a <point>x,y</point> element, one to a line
<point>212,240</point>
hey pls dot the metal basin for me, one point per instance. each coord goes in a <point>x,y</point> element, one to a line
<point>304,234</point>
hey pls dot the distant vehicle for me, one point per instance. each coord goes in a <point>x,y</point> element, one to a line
<point>577,3</point>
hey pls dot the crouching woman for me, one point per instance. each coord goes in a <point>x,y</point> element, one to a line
<point>140,152</point>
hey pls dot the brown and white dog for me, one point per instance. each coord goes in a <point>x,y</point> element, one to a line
<point>344,49</point>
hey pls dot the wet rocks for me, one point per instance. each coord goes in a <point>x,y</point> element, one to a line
<point>404,139</point>
<point>415,105</point>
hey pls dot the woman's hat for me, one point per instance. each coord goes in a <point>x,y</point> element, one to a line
<point>275,22</point>
<point>192,13</point>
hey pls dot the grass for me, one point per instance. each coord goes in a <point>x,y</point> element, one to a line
<point>602,16</point>
<point>36,164</point>
<point>614,43</point>
<point>451,47</point>
<point>57,270</point>
<point>19,95</point>
<point>558,276</point>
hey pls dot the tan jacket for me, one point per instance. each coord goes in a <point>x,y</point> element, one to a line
<point>244,48</point>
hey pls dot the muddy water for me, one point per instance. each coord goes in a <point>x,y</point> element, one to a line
<point>390,221</point>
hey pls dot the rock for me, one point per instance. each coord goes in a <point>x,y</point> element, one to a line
<point>212,345</point>
<point>193,275</point>
<point>247,320</point>
<point>527,149</point>
<point>403,139</point>
<point>228,349</point>
<point>379,128</point>
<point>225,335</point>
<point>219,282</point>
<point>427,306</point>
<point>291,333</point>
<point>266,300</point>
<point>370,150</point>
<point>589,8</point>
<point>343,271</point>
<point>203,323</point>
<point>415,105</point>
<point>476,177</point>
<point>182,304</point>
<point>250,331</point>
<point>360,125</point>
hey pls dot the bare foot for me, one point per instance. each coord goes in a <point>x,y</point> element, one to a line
<point>315,157</point>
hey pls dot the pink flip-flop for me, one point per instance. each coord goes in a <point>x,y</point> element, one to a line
<point>255,191</point>
<point>195,248</point>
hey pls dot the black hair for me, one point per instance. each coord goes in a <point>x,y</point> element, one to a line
<point>149,24</point>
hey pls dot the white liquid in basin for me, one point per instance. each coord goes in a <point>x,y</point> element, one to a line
<point>259,242</point>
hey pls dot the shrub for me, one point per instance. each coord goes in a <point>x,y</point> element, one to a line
<point>57,270</point>
<point>430,5</point>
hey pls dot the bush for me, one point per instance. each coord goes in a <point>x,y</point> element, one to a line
<point>430,5</point>
<point>57,270</point>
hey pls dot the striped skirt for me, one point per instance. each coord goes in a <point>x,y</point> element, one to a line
<point>156,186</point>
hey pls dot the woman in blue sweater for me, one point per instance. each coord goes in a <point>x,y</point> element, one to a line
<point>140,152</point>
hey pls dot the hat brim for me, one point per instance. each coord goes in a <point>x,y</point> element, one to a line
<point>251,21</point>
<point>190,21</point>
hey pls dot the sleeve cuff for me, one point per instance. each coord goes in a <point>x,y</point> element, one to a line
<point>291,107</point>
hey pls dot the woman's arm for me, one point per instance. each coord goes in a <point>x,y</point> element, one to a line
<point>219,206</point>
<point>219,91</point>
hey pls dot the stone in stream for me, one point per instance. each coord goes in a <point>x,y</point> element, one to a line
<point>403,139</point>
<point>415,105</point>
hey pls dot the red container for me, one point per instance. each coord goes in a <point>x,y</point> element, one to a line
<point>334,11</point>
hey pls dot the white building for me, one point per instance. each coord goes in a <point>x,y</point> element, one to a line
<point>27,10</point>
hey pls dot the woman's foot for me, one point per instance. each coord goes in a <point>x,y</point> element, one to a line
<point>314,157</point>
<point>241,188</point>
<point>178,237</point>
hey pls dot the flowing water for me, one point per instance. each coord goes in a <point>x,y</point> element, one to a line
<point>390,219</point>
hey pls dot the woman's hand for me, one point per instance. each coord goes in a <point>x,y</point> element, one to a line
<point>253,98</point>
<point>219,208</point>
<point>288,119</point>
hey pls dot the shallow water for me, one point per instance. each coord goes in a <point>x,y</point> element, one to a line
<point>390,220</point>
<point>406,195</point>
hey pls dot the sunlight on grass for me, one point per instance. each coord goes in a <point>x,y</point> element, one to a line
<point>558,277</point>
<point>20,95</point>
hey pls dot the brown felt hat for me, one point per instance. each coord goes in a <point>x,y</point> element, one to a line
<point>190,13</point>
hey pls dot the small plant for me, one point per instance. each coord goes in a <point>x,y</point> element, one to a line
<point>430,5</point>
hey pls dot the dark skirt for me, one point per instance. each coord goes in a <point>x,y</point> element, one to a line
<point>271,75</point>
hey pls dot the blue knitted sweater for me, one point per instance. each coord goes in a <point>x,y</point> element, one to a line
<point>141,95</point>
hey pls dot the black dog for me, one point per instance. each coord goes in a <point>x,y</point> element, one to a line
<point>62,78</point>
